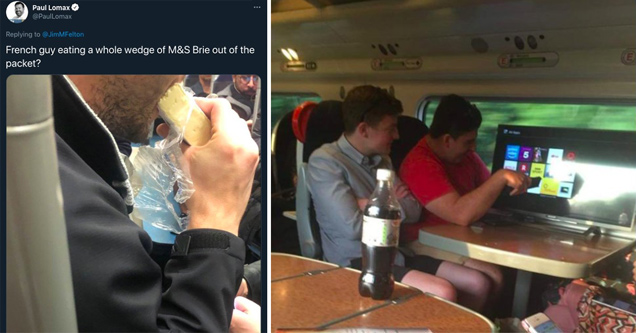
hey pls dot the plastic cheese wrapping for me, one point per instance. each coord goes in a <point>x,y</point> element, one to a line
<point>165,181</point>
<point>181,112</point>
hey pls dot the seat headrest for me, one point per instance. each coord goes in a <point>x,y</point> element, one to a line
<point>221,82</point>
<point>411,130</point>
<point>300,116</point>
<point>325,125</point>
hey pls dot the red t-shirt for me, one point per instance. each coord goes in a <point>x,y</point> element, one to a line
<point>429,178</point>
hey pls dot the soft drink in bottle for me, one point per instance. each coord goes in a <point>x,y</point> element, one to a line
<point>380,235</point>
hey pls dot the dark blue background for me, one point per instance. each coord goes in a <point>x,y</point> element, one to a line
<point>151,24</point>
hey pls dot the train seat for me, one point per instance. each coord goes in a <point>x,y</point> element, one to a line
<point>411,131</point>
<point>324,125</point>
<point>220,83</point>
<point>283,155</point>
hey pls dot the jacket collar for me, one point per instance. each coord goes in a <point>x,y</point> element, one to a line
<point>78,125</point>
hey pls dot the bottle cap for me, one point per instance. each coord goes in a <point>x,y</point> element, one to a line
<point>384,174</point>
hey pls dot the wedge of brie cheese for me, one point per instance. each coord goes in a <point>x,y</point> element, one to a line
<point>183,114</point>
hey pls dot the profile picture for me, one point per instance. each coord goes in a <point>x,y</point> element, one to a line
<point>17,12</point>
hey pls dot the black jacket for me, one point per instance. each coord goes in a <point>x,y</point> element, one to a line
<point>117,285</point>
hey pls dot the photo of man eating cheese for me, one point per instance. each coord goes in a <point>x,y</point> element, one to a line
<point>119,283</point>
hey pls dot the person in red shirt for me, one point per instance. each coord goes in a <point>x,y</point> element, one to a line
<point>451,182</point>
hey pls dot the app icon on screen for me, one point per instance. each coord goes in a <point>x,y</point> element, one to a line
<point>537,170</point>
<point>539,155</point>
<point>549,186</point>
<point>565,190</point>
<point>550,171</point>
<point>510,165</point>
<point>524,167</point>
<point>525,154</point>
<point>555,155</point>
<point>512,152</point>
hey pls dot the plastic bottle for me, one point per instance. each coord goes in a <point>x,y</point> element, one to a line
<point>380,235</point>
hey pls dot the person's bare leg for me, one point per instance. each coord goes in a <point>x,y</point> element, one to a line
<point>492,271</point>
<point>430,284</point>
<point>473,287</point>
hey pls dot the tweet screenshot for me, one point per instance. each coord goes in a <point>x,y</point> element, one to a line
<point>133,165</point>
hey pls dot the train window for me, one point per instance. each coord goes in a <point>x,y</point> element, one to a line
<point>282,103</point>
<point>609,115</point>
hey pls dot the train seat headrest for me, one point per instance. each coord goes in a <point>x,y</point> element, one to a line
<point>325,125</point>
<point>411,130</point>
<point>300,117</point>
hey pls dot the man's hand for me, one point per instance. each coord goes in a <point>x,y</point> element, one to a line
<point>517,180</point>
<point>246,317</point>
<point>222,170</point>
<point>634,271</point>
<point>402,191</point>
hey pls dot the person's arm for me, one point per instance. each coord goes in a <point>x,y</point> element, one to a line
<point>466,209</point>
<point>218,203</point>
<point>428,181</point>
<point>117,284</point>
<point>411,208</point>
<point>203,268</point>
<point>220,197</point>
<point>333,197</point>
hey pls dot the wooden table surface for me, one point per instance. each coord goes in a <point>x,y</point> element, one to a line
<point>545,251</point>
<point>328,298</point>
<point>431,312</point>
<point>286,266</point>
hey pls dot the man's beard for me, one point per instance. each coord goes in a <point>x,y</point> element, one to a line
<point>126,110</point>
<point>135,128</point>
<point>250,93</point>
